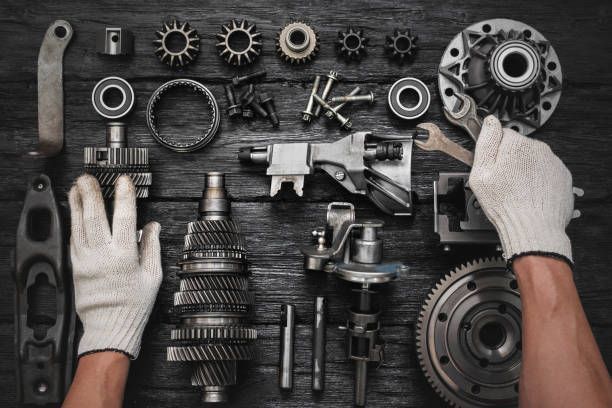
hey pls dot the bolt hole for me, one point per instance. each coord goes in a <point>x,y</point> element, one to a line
<point>513,284</point>
<point>551,66</point>
<point>486,28</point>
<point>454,52</point>
<point>449,92</point>
<point>112,97</point>
<point>444,360</point>
<point>352,42</point>
<point>409,98</point>
<point>515,128</point>
<point>471,285</point>
<point>492,335</point>
<point>114,38</point>
<point>475,389</point>
<point>546,105</point>
<point>60,31</point>
<point>515,65</point>
<point>483,362</point>
<point>39,185</point>
<point>176,42</point>
<point>527,33</point>
<point>403,43</point>
<point>442,317</point>
<point>239,41</point>
<point>501,308</point>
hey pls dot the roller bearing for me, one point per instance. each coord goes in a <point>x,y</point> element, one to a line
<point>107,85</point>
<point>394,98</point>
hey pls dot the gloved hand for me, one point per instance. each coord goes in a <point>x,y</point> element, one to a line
<point>525,190</point>
<point>115,279</point>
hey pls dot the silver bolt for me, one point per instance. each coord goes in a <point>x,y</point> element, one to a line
<point>369,97</point>
<point>42,387</point>
<point>308,113</point>
<point>332,77</point>
<point>345,123</point>
<point>330,113</point>
<point>339,175</point>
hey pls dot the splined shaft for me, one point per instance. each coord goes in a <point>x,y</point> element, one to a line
<point>213,302</point>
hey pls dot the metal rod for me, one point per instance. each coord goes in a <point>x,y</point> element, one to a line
<point>318,344</point>
<point>287,339</point>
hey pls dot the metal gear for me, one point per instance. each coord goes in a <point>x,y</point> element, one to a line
<point>239,42</point>
<point>213,301</point>
<point>510,70</point>
<point>352,44</point>
<point>177,44</point>
<point>401,46</point>
<point>469,336</point>
<point>297,43</point>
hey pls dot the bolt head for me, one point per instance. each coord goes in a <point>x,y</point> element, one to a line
<point>307,117</point>
<point>247,113</point>
<point>333,75</point>
<point>339,175</point>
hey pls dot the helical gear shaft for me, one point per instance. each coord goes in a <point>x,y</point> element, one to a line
<point>213,301</point>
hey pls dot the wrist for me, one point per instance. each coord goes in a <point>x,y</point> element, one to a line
<point>543,280</point>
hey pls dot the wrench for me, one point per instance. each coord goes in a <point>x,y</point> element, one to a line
<point>466,117</point>
<point>437,141</point>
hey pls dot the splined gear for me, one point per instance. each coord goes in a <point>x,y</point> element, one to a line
<point>213,301</point>
<point>239,42</point>
<point>352,44</point>
<point>297,43</point>
<point>469,336</point>
<point>401,46</point>
<point>510,70</point>
<point>177,44</point>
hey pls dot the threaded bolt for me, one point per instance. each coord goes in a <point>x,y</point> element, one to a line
<point>345,123</point>
<point>330,113</point>
<point>268,103</point>
<point>234,109</point>
<point>389,151</point>
<point>249,98</point>
<point>369,97</point>
<point>239,80</point>
<point>308,113</point>
<point>332,78</point>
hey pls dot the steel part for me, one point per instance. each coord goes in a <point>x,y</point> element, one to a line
<point>115,41</point>
<point>469,336</point>
<point>177,44</point>
<point>297,43</point>
<point>233,107</point>
<point>213,303</point>
<point>473,226</point>
<point>437,141</point>
<point>51,90</point>
<point>319,327</point>
<point>370,168</point>
<point>267,102</point>
<point>248,78</point>
<point>510,70</point>
<point>369,97</point>
<point>332,78</point>
<point>401,46</point>
<point>174,144</point>
<point>414,86</point>
<point>345,123</point>
<point>353,252</point>
<point>44,311</point>
<point>309,112</point>
<point>101,91</point>
<point>250,99</point>
<point>352,44</point>
<point>239,32</point>
<point>335,109</point>
<point>466,117</point>
<point>248,113</point>
<point>287,341</point>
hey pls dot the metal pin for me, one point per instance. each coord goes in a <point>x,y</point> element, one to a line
<point>239,80</point>
<point>308,113</point>
<point>318,344</point>
<point>287,339</point>
<point>332,77</point>
<point>345,123</point>
<point>330,113</point>
<point>369,97</point>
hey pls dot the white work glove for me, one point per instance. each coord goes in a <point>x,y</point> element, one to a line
<point>115,279</point>
<point>525,190</point>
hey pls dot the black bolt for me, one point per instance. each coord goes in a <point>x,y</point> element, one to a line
<point>239,80</point>
<point>247,113</point>
<point>268,103</point>
<point>234,109</point>
<point>249,98</point>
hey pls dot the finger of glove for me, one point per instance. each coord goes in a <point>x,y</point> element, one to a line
<point>124,216</point>
<point>77,231</point>
<point>488,143</point>
<point>150,253</point>
<point>97,230</point>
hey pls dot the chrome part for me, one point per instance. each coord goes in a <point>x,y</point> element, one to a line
<point>287,341</point>
<point>407,86</point>
<point>115,41</point>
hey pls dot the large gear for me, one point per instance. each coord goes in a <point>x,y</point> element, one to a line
<point>177,44</point>
<point>213,301</point>
<point>239,42</point>
<point>297,43</point>
<point>469,336</point>
<point>510,70</point>
<point>352,44</point>
<point>401,46</point>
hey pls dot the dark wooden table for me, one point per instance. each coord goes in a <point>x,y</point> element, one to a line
<point>578,132</point>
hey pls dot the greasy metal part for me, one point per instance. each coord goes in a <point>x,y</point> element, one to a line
<point>287,341</point>
<point>336,109</point>
<point>510,70</point>
<point>50,90</point>
<point>332,78</point>
<point>297,43</point>
<point>198,141</point>
<point>319,326</point>
<point>469,336</point>
<point>233,107</point>
<point>213,303</point>
<point>308,113</point>
<point>352,44</point>
<point>267,102</point>
<point>115,41</point>
<point>235,33</point>
<point>345,123</point>
<point>248,78</point>
<point>249,99</point>
<point>353,252</point>
<point>410,85</point>
<point>177,44</point>
<point>378,167</point>
<point>437,141</point>
<point>466,117</point>
<point>247,112</point>
<point>369,97</point>
<point>110,84</point>
<point>44,313</point>
<point>401,46</point>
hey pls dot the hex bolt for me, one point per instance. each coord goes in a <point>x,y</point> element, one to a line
<point>268,103</point>
<point>369,97</point>
<point>330,113</point>
<point>345,123</point>
<point>308,113</point>
<point>248,78</point>
<point>234,109</point>
<point>332,78</point>
<point>339,175</point>
<point>249,98</point>
<point>247,113</point>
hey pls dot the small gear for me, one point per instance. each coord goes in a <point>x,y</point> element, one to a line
<point>352,44</point>
<point>209,352</point>
<point>212,226</point>
<point>229,297</point>
<point>177,44</point>
<point>401,46</point>
<point>239,42</point>
<point>200,282</point>
<point>215,333</point>
<point>297,43</point>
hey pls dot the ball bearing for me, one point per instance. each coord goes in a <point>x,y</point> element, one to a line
<point>402,87</point>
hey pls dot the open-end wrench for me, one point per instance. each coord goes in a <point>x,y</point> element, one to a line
<point>466,117</point>
<point>438,141</point>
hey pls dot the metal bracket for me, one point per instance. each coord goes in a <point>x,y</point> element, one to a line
<point>115,41</point>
